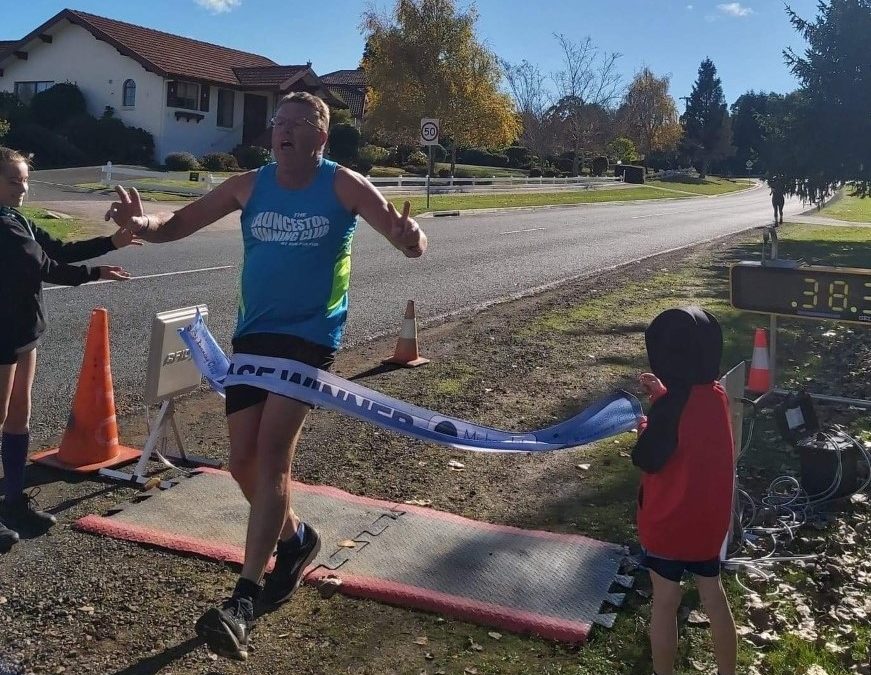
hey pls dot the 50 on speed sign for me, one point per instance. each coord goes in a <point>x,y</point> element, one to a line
<point>429,131</point>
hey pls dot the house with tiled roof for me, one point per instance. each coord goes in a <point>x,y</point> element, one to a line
<point>190,95</point>
<point>350,86</point>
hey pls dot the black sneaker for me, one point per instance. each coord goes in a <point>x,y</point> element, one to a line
<point>22,512</point>
<point>226,628</point>
<point>290,561</point>
<point>8,538</point>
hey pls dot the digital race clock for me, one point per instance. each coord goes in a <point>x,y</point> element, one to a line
<point>830,293</point>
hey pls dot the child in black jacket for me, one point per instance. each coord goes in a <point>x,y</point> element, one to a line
<point>29,256</point>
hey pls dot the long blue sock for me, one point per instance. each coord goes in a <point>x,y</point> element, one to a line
<point>14,452</point>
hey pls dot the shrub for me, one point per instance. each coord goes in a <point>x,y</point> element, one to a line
<point>109,139</point>
<point>535,173</point>
<point>481,157</point>
<point>12,109</point>
<point>219,161</point>
<point>344,143</point>
<point>362,166</point>
<point>518,156</point>
<point>181,161</point>
<point>417,158</point>
<point>117,142</point>
<point>444,173</point>
<point>374,154</point>
<point>251,156</point>
<point>57,104</point>
<point>633,174</point>
<point>550,173</point>
<point>50,149</point>
<point>600,166</point>
<point>4,128</point>
<point>399,155</point>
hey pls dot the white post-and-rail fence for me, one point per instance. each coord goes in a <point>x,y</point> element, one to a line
<point>203,181</point>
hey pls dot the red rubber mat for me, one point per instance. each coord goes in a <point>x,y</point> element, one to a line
<point>520,580</point>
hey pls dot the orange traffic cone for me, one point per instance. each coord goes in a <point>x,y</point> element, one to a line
<point>406,353</point>
<point>759,381</point>
<point>90,441</point>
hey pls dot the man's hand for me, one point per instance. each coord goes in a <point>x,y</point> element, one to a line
<point>128,213</point>
<point>113,273</point>
<point>405,233</point>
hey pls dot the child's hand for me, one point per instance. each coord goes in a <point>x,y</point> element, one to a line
<point>114,273</point>
<point>651,385</point>
<point>124,237</point>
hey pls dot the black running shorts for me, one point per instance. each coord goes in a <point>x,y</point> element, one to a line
<point>673,570</point>
<point>241,396</point>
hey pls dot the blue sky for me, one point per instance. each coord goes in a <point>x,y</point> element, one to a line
<point>744,39</point>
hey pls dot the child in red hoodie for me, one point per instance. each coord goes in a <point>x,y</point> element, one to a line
<point>685,499</point>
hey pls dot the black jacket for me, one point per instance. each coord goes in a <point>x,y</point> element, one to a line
<point>29,256</point>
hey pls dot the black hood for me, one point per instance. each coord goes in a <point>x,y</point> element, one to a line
<point>684,347</point>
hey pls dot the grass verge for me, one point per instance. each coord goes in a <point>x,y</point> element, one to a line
<point>514,199</point>
<point>63,228</point>
<point>702,186</point>
<point>846,207</point>
<point>787,622</point>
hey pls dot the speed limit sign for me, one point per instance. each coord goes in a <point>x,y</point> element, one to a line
<point>429,131</point>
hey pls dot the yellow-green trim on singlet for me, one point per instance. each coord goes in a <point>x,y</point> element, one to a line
<point>341,281</point>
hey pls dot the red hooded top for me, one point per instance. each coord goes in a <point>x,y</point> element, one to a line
<point>685,508</point>
<point>685,448</point>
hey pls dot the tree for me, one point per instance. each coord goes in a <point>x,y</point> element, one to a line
<point>833,114</point>
<point>4,128</point>
<point>707,129</point>
<point>748,130</point>
<point>425,61</point>
<point>623,150</point>
<point>648,114</point>
<point>344,143</point>
<point>533,103</point>
<point>340,116</point>
<point>587,86</point>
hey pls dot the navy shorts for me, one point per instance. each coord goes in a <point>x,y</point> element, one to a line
<point>673,570</point>
<point>9,355</point>
<point>241,396</point>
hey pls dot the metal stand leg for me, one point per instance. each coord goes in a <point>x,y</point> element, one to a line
<point>158,437</point>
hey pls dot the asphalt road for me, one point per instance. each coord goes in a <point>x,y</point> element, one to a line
<point>472,261</point>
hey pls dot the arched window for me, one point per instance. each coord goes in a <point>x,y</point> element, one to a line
<point>129,93</point>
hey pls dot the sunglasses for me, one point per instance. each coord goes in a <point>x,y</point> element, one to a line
<point>282,122</point>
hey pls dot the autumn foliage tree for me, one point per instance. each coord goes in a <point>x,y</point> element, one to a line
<point>424,60</point>
<point>648,114</point>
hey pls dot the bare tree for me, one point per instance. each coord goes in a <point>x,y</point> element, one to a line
<point>587,86</point>
<point>534,102</point>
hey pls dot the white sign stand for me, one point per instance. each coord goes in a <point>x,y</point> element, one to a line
<point>429,136</point>
<point>171,373</point>
<point>733,383</point>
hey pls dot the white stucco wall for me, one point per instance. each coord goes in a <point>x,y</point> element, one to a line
<point>203,137</point>
<point>97,68</point>
<point>100,71</point>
